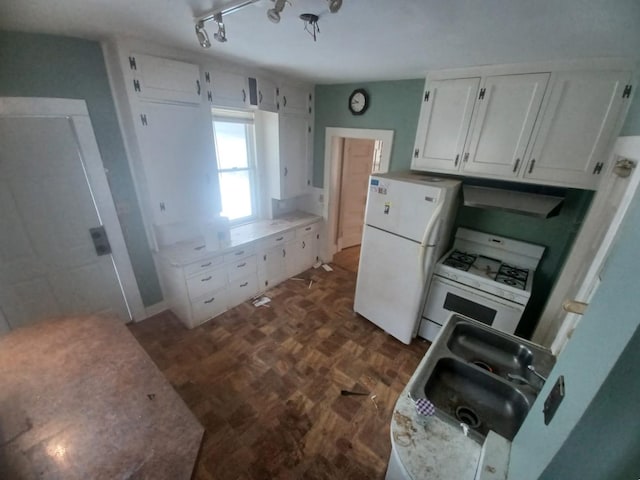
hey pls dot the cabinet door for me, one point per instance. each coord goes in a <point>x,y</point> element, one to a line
<point>294,153</point>
<point>444,123</point>
<point>267,98</point>
<point>506,111</point>
<point>294,100</point>
<point>290,254</point>
<point>226,89</point>
<point>156,78</point>
<point>177,165</point>
<point>306,253</point>
<point>577,126</point>
<point>271,267</point>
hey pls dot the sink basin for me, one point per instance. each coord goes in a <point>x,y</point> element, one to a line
<point>481,401</point>
<point>497,354</point>
<point>480,377</point>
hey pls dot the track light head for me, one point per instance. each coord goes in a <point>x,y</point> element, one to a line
<point>334,5</point>
<point>202,35</point>
<point>273,14</point>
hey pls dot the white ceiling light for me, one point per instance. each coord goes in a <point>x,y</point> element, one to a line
<point>216,16</point>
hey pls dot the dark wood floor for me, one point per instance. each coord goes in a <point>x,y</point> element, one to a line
<point>265,383</point>
<point>348,258</point>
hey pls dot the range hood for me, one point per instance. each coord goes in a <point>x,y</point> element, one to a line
<point>513,201</point>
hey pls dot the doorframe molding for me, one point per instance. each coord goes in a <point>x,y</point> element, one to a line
<point>77,113</point>
<point>333,164</point>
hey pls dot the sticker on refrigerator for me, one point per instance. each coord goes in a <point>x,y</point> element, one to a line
<point>387,207</point>
<point>375,181</point>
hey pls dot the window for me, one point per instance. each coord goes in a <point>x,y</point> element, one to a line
<point>233,133</point>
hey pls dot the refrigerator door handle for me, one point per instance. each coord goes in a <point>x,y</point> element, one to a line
<point>425,238</point>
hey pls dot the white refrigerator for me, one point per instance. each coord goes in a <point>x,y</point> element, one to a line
<point>408,222</point>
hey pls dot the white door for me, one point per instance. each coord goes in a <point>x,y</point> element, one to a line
<point>48,263</point>
<point>294,134</point>
<point>575,134</point>
<point>403,208</point>
<point>357,161</point>
<point>507,109</point>
<point>444,123</point>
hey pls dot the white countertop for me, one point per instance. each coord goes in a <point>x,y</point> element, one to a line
<point>437,451</point>
<point>183,253</point>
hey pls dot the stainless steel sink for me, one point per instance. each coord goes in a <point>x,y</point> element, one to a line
<point>481,377</point>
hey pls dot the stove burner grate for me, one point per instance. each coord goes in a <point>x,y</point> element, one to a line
<point>460,260</point>
<point>520,274</point>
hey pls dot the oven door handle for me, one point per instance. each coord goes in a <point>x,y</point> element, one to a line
<point>425,238</point>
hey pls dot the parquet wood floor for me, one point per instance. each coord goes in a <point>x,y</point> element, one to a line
<point>265,383</point>
<point>349,258</point>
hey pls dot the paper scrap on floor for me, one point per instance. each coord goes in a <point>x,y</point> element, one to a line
<point>317,265</point>
<point>327,267</point>
<point>261,301</point>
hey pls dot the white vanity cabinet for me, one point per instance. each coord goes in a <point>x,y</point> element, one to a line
<point>199,285</point>
<point>523,123</point>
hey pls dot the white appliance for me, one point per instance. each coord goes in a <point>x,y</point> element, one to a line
<point>484,277</point>
<point>408,221</point>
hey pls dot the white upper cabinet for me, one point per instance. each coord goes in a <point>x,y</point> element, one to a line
<point>522,123</point>
<point>156,78</point>
<point>506,111</point>
<point>178,166</point>
<point>294,151</point>
<point>226,89</point>
<point>577,127</point>
<point>294,100</point>
<point>267,98</point>
<point>444,123</point>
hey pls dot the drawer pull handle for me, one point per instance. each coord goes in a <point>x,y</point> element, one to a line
<point>210,300</point>
<point>206,279</point>
<point>199,247</point>
<point>239,253</point>
<point>244,284</point>
<point>240,265</point>
<point>279,239</point>
<point>205,265</point>
<point>304,245</point>
<point>308,228</point>
<point>284,253</point>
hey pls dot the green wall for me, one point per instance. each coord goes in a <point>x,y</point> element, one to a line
<point>51,66</point>
<point>393,106</point>
<point>597,422</point>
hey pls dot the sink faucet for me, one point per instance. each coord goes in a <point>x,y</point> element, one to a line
<point>533,370</point>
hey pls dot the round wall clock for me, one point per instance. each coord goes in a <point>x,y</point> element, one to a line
<point>359,101</point>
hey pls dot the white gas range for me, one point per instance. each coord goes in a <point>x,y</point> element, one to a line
<point>484,277</point>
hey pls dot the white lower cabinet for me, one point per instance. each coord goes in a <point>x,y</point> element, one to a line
<point>199,291</point>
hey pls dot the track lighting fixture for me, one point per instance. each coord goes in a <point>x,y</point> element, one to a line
<point>310,20</point>
<point>334,5</point>
<point>273,14</point>
<point>202,35</point>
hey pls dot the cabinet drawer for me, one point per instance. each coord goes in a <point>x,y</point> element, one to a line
<point>276,240</point>
<point>241,268</point>
<point>208,306</point>
<point>242,289</point>
<point>206,282</point>
<point>239,254</point>
<point>307,230</point>
<point>199,267</point>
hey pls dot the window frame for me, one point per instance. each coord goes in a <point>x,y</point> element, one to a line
<point>246,118</point>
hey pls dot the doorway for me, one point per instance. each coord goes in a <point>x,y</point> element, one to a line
<point>53,191</point>
<point>351,155</point>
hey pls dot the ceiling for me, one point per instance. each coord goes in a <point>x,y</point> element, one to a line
<point>365,40</point>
